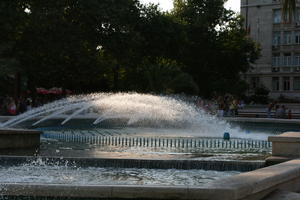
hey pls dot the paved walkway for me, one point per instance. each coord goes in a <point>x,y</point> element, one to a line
<point>260,111</point>
<point>262,120</point>
<point>283,195</point>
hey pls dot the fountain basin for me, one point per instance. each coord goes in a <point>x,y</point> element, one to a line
<point>286,144</point>
<point>19,138</point>
<point>241,166</point>
<point>251,185</point>
<point>285,147</point>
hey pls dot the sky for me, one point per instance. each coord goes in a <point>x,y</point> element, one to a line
<point>168,4</point>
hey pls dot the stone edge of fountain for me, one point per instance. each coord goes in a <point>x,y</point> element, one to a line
<point>285,147</point>
<point>182,164</point>
<point>19,138</point>
<point>251,185</point>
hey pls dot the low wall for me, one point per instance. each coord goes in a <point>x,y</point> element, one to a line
<point>5,118</point>
<point>242,166</point>
<point>253,185</point>
<point>19,138</point>
<point>257,184</point>
<point>287,144</point>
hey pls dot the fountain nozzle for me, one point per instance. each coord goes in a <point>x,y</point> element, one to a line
<point>226,136</point>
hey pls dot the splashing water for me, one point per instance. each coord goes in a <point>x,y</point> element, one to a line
<point>141,110</point>
<point>45,172</point>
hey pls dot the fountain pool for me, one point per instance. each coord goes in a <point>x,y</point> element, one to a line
<point>131,125</point>
<point>106,172</point>
<point>159,114</point>
<point>129,139</point>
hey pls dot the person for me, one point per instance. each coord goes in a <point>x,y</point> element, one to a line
<point>221,107</point>
<point>269,110</point>
<point>290,114</point>
<point>241,104</point>
<point>277,111</point>
<point>2,106</point>
<point>29,104</point>
<point>199,103</point>
<point>22,105</point>
<point>236,107</point>
<point>233,107</point>
<point>12,108</point>
<point>282,112</point>
<point>226,106</point>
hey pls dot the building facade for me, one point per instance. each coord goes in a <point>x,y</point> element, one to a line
<point>278,68</point>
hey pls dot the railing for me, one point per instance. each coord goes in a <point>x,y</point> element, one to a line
<point>152,142</point>
<point>285,68</point>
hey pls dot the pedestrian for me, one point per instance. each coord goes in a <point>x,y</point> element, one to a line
<point>221,108</point>
<point>28,104</point>
<point>282,112</point>
<point>236,107</point>
<point>290,114</point>
<point>11,107</point>
<point>233,108</point>
<point>269,110</point>
<point>22,105</point>
<point>277,111</point>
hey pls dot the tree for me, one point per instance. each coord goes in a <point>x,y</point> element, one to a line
<point>109,45</point>
<point>161,76</point>
<point>12,21</point>
<point>63,42</point>
<point>153,48</point>
<point>217,50</point>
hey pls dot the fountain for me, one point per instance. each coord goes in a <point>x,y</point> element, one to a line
<point>133,110</point>
<point>159,142</point>
<point>138,124</point>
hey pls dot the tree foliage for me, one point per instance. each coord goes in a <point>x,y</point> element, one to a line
<point>217,49</point>
<point>101,45</point>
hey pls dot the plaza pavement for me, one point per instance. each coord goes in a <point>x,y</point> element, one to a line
<point>260,111</point>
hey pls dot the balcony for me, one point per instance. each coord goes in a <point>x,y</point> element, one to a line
<point>285,69</point>
<point>286,47</point>
<point>275,69</point>
<point>286,26</point>
<point>296,69</point>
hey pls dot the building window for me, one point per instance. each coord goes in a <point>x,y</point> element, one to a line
<point>277,38</point>
<point>297,59</point>
<point>286,83</point>
<point>287,37</point>
<point>254,82</point>
<point>275,83</point>
<point>287,59</point>
<point>277,16</point>
<point>297,17</point>
<point>296,83</point>
<point>276,60</point>
<point>297,37</point>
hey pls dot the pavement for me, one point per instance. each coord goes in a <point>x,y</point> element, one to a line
<point>260,111</point>
<point>263,108</point>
